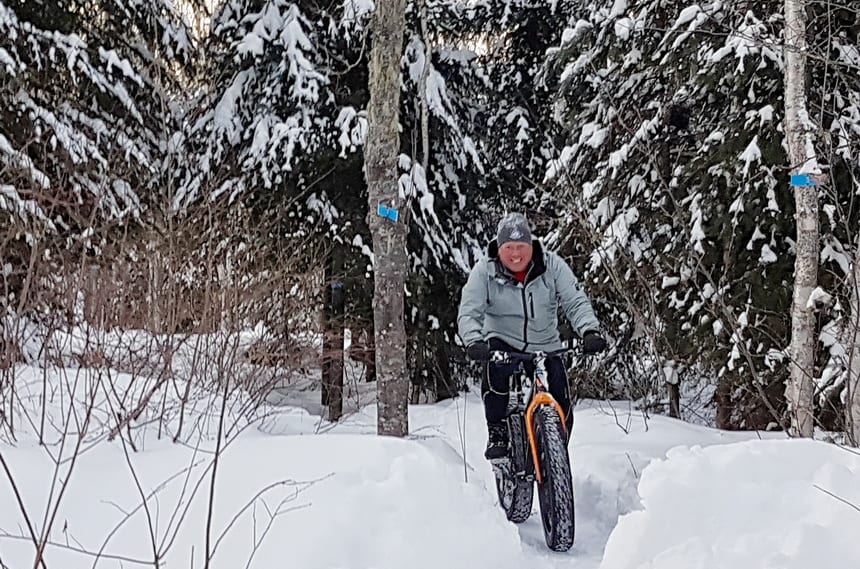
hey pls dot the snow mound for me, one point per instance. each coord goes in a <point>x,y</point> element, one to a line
<point>758,504</point>
<point>315,502</point>
<point>405,507</point>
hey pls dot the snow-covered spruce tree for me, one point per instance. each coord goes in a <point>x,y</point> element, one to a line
<point>84,98</point>
<point>513,37</point>
<point>85,110</point>
<point>834,66</point>
<point>445,176</point>
<point>469,145</point>
<point>677,178</point>
<point>489,142</point>
<point>278,135</point>
<point>306,68</point>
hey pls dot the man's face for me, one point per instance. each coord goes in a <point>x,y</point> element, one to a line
<point>516,255</point>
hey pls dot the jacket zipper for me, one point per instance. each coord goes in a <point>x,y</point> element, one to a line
<point>532,304</point>
<point>525,320</point>
<point>526,310</point>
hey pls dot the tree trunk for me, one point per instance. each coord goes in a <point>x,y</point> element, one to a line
<point>674,400</point>
<point>335,388</point>
<point>325,359</point>
<point>723,401</point>
<point>370,363</point>
<point>801,154</point>
<point>381,153</point>
<point>673,388</point>
<point>852,347</point>
<point>422,96</point>
<point>333,337</point>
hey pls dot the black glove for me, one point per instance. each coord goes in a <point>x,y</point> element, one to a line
<point>479,351</point>
<point>592,342</point>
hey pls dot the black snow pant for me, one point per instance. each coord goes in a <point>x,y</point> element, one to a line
<point>496,382</point>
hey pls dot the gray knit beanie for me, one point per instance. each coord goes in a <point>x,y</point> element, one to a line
<point>513,227</point>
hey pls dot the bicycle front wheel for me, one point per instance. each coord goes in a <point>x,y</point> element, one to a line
<point>555,491</point>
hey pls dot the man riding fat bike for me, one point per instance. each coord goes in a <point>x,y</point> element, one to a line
<point>510,303</point>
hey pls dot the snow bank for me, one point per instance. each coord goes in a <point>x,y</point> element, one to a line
<point>756,504</point>
<point>295,490</point>
<point>315,502</point>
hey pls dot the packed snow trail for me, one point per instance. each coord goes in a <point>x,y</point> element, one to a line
<point>347,499</point>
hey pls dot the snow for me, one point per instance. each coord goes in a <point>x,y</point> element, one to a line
<point>623,28</point>
<point>752,153</point>
<point>697,234</point>
<point>225,119</point>
<point>766,114</point>
<point>11,201</point>
<point>757,234</point>
<point>615,236</point>
<point>24,162</point>
<point>593,135</point>
<point>112,59</point>
<point>757,504</point>
<point>618,8</point>
<point>356,10</point>
<point>692,16</point>
<point>833,251</point>
<point>686,16</point>
<point>290,485</point>
<point>767,255</point>
<point>715,137</point>
<point>8,62</point>
<point>818,298</point>
<point>570,34</point>
<point>353,129</point>
<point>251,43</point>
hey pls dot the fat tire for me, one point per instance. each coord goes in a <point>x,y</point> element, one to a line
<point>516,492</point>
<point>555,491</point>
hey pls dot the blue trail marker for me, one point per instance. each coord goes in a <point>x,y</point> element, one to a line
<point>389,212</point>
<point>800,180</point>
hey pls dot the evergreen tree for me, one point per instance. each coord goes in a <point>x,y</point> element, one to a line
<point>677,177</point>
<point>85,104</point>
<point>87,92</point>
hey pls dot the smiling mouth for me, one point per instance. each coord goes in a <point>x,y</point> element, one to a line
<point>517,260</point>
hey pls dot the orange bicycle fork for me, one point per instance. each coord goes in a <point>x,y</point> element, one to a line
<point>540,398</point>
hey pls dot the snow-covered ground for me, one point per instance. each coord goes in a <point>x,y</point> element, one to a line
<point>292,490</point>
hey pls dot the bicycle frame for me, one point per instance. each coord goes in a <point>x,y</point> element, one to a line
<point>538,395</point>
<point>541,397</point>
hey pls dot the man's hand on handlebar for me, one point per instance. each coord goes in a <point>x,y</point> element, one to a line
<point>592,343</point>
<point>478,351</point>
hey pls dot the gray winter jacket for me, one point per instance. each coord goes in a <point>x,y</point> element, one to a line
<point>495,304</point>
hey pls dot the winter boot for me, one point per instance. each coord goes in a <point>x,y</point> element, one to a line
<point>497,445</point>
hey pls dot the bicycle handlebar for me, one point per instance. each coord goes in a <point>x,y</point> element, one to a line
<point>503,356</point>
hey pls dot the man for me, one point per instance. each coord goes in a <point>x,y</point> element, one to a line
<point>510,303</point>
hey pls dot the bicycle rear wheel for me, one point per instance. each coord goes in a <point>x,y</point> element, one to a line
<point>514,481</point>
<point>555,491</point>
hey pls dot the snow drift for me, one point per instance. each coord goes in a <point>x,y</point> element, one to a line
<point>758,504</point>
<point>650,492</point>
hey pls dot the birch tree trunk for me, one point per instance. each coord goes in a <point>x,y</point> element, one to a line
<point>852,347</point>
<point>381,153</point>
<point>801,154</point>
